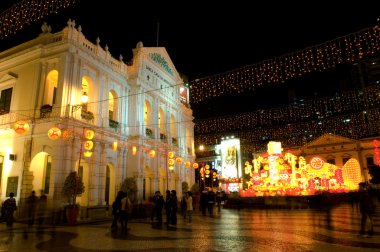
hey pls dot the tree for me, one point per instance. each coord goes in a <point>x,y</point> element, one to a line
<point>72,187</point>
<point>374,171</point>
<point>129,185</point>
<point>185,187</point>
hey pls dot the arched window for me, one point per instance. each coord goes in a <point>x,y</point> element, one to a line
<point>50,92</point>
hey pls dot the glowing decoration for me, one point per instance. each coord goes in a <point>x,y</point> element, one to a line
<point>316,163</point>
<point>207,167</point>
<point>178,160</point>
<point>170,154</point>
<point>89,134</point>
<point>21,127</point>
<point>170,161</point>
<point>171,167</point>
<point>87,153</point>
<point>88,145</point>
<point>195,165</point>
<point>134,150</point>
<point>67,134</point>
<point>152,153</point>
<point>351,174</point>
<point>54,133</point>
<point>114,146</point>
<point>376,151</point>
<point>274,148</point>
<point>187,164</point>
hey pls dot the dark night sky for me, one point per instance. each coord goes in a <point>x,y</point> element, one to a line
<point>206,38</point>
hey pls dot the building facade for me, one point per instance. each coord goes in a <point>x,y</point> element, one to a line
<point>136,112</point>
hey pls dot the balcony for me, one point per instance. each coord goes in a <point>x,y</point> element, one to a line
<point>174,141</point>
<point>87,115</point>
<point>45,110</point>
<point>113,124</point>
<point>149,133</point>
<point>163,138</point>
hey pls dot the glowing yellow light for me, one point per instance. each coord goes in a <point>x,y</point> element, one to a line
<point>88,145</point>
<point>54,133</point>
<point>21,127</point>
<point>134,150</point>
<point>89,134</point>
<point>152,153</point>
<point>87,153</point>
<point>114,146</point>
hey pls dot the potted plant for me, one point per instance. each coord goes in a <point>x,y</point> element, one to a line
<point>72,187</point>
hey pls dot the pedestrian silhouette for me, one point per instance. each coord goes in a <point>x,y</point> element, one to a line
<point>8,208</point>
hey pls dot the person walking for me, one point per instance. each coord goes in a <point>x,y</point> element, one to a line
<point>8,208</point>
<point>116,210</point>
<point>159,206</point>
<point>167,207</point>
<point>41,208</point>
<point>366,207</point>
<point>189,206</point>
<point>183,206</point>
<point>126,208</point>
<point>32,202</point>
<point>173,207</point>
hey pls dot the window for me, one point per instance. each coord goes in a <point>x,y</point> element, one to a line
<point>107,187</point>
<point>5,101</point>
<point>47,175</point>
<point>369,161</point>
<point>331,161</point>
<point>345,159</point>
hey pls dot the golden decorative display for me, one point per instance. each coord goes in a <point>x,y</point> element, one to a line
<point>54,133</point>
<point>21,127</point>
<point>195,165</point>
<point>178,160</point>
<point>87,153</point>
<point>89,134</point>
<point>88,145</point>
<point>170,154</point>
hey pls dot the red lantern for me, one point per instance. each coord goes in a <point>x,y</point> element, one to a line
<point>195,165</point>
<point>54,133</point>
<point>187,164</point>
<point>178,160</point>
<point>21,127</point>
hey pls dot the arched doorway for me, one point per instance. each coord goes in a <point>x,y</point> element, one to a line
<point>41,170</point>
<point>109,186</point>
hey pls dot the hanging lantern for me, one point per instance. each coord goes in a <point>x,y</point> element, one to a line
<point>207,172</point>
<point>152,153</point>
<point>178,160</point>
<point>88,145</point>
<point>170,161</point>
<point>171,167</point>
<point>195,165</point>
<point>187,164</point>
<point>21,127</point>
<point>114,146</point>
<point>170,154</point>
<point>89,134</point>
<point>54,133</point>
<point>87,153</point>
<point>134,150</point>
<point>207,167</point>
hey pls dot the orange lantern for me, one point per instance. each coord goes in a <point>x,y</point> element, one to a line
<point>152,153</point>
<point>170,154</point>
<point>207,167</point>
<point>171,161</point>
<point>54,133</point>
<point>88,145</point>
<point>114,146</point>
<point>178,160</point>
<point>195,165</point>
<point>134,150</point>
<point>21,127</point>
<point>89,134</point>
<point>207,171</point>
<point>187,164</point>
<point>87,153</point>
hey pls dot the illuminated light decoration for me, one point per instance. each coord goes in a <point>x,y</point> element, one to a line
<point>376,151</point>
<point>170,154</point>
<point>195,165</point>
<point>207,172</point>
<point>21,127</point>
<point>171,161</point>
<point>178,160</point>
<point>89,134</point>
<point>207,167</point>
<point>25,12</point>
<point>54,133</point>
<point>317,163</point>
<point>114,146</point>
<point>152,153</point>
<point>87,153</point>
<point>88,145</point>
<point>171,167</point>
<point>67,134</point>
<point>266,122</point>
<point>289,66</point>
<point>351,174</point>
<point>187,164</point>
<point>134,150</point>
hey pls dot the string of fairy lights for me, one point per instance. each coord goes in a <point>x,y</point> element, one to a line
<point>346,49</point>
<point>352,114</point>
<point>26,11</point>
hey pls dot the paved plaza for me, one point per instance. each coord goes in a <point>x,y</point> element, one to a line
<point>229,230</point>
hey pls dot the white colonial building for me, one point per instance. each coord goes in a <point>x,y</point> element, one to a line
<point>139,112</point>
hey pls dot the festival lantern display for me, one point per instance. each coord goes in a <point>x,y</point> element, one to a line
<point>178,160</point>
<point>87,154</point>
<point>170,154</point>
<point>54,133</point>
<point>88,145</point>
<point>114,146</point>
<point>89,134</point>
<point>170,161</point>
<point>187,164</point>
<point>134,150</point>
<point>21,127</point>
<point>152,153</point>
<point>195,165</point>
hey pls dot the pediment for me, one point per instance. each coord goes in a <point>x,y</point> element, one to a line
<point>328,139</point>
